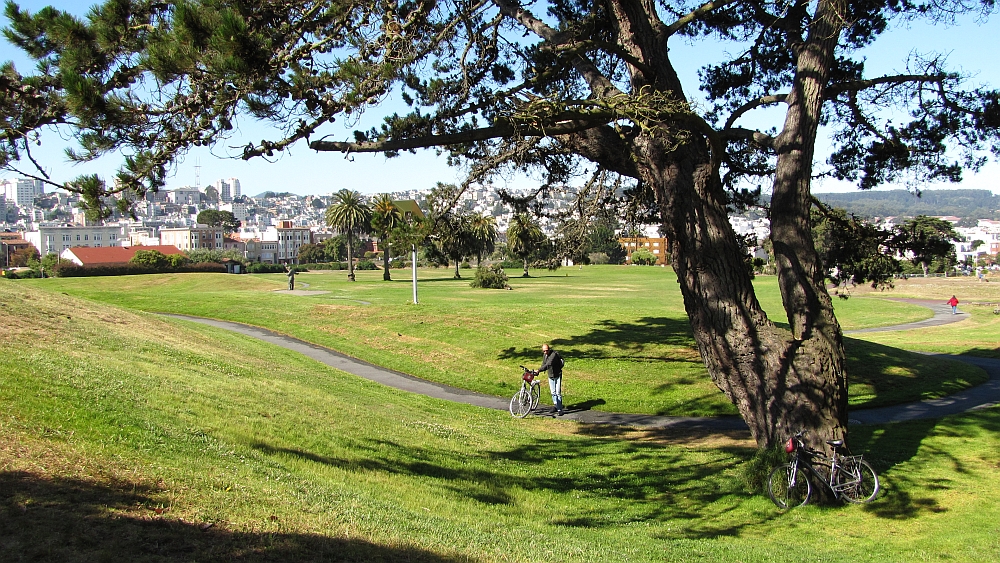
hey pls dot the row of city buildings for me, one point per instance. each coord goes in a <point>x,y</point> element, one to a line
<point>276,225</point>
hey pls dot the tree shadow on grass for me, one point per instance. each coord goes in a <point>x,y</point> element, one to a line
<point>69,520</point>
<point>623,481</point>
<point>389,457</point>
<point>584,405</point>
<point>874,367</point>
<point>888,447</point>
<point>983,352</point>
<point>613,339</point>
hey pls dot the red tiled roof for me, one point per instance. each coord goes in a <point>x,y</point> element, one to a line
<point>115,254</point>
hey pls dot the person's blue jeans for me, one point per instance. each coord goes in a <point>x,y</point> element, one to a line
<point>555,387</point>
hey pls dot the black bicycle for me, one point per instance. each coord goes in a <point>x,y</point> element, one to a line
<point>526,398</point>
<point>847,476</point>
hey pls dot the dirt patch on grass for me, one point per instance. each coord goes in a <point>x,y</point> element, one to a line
<point>694,438</point>
<point>967,288</point>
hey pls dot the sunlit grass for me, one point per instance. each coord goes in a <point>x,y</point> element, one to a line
<point>126,436</point>
<point>622,330</point>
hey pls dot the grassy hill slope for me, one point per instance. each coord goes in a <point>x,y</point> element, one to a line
<point>622,330</point>
<point>125,436</point>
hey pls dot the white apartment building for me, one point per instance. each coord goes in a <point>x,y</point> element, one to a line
<point>159,196</point>
<point>190,238</point>
<point>288,238</point>
<point>142,236</point>
<point>239,210</point>
<point>53,238</point>
<point>986,231</point>
<point>22,191</point>
<point>184,196</point>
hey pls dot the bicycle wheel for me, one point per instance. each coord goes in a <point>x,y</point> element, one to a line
<point>788,486</point>
<point>520,403</point>
<point>857,482</point>
<point>535,394</point>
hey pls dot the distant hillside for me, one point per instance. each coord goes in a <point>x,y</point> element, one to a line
<point>269,194</point>
<point>969,204</point>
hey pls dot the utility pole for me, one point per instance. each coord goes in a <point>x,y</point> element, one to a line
<point>414,261</point>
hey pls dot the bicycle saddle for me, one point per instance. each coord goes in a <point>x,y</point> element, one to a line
<point>835,443</point>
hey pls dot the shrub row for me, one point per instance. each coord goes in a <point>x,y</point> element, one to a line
<point>74,271</point>
<point>325,266</point>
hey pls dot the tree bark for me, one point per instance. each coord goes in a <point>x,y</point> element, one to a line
<point>780,380</point>
<point>800,275</point>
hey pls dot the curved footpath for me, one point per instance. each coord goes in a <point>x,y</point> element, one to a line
<point>981,396</point>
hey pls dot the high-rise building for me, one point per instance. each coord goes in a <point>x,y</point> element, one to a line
<point>22,191</point>
<point>228,189</point>
<point>234,187</point>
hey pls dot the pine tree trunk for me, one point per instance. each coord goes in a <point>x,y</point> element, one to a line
<point>780,380</point>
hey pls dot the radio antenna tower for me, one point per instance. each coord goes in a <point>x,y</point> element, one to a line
<point>197,173</point>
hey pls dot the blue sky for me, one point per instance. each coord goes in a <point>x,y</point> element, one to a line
<point>970,46</point>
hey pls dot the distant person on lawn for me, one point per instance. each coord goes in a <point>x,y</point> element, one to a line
<point>290,272</point>
<point>552,362</point>
<point>953,302</point>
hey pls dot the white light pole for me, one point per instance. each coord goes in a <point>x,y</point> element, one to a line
<point>414,260</point>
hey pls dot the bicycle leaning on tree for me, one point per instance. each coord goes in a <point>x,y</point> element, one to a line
<point>848,477</point>
<point>526,398</point>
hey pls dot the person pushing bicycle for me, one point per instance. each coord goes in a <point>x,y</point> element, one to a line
<point>553,363</point>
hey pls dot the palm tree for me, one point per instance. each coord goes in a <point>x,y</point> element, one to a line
<point>453,238</point>
<point>484,234</point>
<point>350,215</point>
<point>385,217</point>
<point>523,237</point>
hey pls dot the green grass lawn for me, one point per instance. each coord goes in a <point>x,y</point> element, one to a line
<point>622,330</point>
<point>125,436</point>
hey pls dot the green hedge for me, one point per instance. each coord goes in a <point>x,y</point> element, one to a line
<point>256,268</point>
<point>326,266</point>
<point>74,271</point>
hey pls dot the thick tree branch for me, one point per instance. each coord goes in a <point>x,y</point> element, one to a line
<point>764,101</point>
<point>695,15</point>
<point>560,127</point>
<point>834,90</point>
<point>754,136</point>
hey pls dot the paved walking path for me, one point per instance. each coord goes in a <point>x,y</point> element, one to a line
<point>942,316</point>
<point>981,396</point>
